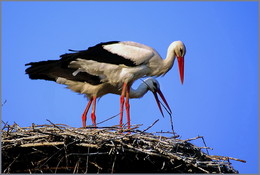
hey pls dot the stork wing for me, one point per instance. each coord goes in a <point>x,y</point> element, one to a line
<point>138,53</point>
<point>114,52</point>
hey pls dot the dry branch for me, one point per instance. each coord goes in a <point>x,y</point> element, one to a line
<point>58,148</point>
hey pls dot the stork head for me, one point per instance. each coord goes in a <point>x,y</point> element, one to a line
<point>179,50</point>
<point>154,86</point>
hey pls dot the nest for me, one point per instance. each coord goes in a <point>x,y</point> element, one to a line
<point>58,148</point>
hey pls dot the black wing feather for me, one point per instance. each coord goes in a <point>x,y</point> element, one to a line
<point>99,54</point>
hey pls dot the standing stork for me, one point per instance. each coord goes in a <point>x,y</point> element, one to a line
<point>90,85</point>
<point>122,62</point>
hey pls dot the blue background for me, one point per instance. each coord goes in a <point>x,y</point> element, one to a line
<point>219,98</point>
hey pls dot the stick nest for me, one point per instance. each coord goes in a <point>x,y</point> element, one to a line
<point>58,148</point>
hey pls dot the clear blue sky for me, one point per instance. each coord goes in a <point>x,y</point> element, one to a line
<point>219,98</point>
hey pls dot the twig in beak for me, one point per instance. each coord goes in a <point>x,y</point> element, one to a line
<point>167,110</point>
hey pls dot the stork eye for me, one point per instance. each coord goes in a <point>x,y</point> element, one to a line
<point>155,85</point>
<point>181,51</point>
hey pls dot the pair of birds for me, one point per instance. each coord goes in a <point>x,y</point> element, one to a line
<point>111,67</point>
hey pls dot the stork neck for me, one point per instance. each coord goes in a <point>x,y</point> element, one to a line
<point>139,92</point>
<point>169,60</point>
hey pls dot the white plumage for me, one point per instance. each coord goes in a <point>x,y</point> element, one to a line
<point>136,52</point>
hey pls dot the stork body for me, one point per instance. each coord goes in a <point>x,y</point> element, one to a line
<point>114,63</point>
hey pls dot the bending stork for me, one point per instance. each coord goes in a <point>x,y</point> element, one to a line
<point>93,92</point>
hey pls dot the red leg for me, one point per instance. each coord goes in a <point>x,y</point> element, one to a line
<point>93,113</point>
<point>127,107</point>
<point>122,101</point>
<point>84,115</point>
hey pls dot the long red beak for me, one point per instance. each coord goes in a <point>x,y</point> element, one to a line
<point>158,101</point>
<point>181,68</point>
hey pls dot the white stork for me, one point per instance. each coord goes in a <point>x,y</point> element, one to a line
<point>121,63</point>
<point>90,85</point>
<point>93,92</point>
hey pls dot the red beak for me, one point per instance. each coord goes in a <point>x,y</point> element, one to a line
<point>181,68</point>
<point>158,101</point>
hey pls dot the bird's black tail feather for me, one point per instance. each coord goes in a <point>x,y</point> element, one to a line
<point>52,69</point>
<point>42,70</point>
